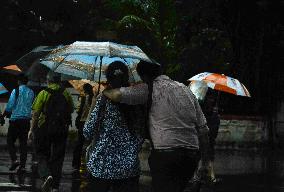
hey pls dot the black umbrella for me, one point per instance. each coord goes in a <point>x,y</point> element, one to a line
<point>36,72</point>
<point>29,64</point>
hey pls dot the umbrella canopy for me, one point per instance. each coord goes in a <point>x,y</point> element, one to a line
<point>199,89</point>
<point>78,85</point>
<point>89,60</point>
<point>30,65</point>
<point>28,60</point>
<point>2,89</point>
<point>222,82</point>
<point>11,69</point>
<point>8,76</point>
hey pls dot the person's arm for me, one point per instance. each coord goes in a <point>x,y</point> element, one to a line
<point>203,131</point>
<point>113,94</point>
<point>89,127</point>
<point>79,111</point>
<point>36,111</point>
<point>93,104</point>
<point>10,104</point>
<point>133,95</point>
<point>34,121</point>
<point>69,100</point>
<point>81,105</point>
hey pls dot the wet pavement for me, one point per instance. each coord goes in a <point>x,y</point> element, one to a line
<point>239,170</point>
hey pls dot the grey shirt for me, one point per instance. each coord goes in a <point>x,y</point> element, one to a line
<point>175,117</point>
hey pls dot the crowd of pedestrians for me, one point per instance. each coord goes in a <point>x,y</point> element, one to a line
<point>161,110</point>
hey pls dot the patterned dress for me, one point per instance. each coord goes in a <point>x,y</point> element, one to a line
<point>115,155</point>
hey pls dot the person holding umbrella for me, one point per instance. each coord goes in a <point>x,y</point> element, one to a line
<point>210,109</point>
<point>211,112</point>
<point>177,127</point>
<point>209,99</point>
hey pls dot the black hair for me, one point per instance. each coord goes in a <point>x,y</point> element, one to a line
<point>117,75</point>
<point>88,88</point>
<point>210,101</point>
<point>149,70</point>
<point>23,79</point>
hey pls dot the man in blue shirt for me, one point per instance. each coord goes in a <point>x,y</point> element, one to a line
<point>19,109</point>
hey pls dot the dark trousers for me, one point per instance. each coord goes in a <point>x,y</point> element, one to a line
<point>171,169</point>
<point>212,141</point>
<point>50,152</point>
<point>117,185</point>
<point>77,152</point>
<point>18,129</point>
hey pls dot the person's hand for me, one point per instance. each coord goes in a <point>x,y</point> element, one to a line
<point>215,109</point>
<point>30,135</point>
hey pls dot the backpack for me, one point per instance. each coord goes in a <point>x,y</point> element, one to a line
<point>57,110</point>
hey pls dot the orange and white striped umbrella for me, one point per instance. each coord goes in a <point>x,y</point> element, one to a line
<point>13,67</point>
<point>222,82</point>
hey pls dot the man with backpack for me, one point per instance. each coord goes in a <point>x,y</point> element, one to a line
<point>51,118</point>
<point>18,110</point>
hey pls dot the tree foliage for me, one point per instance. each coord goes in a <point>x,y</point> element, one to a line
<point>241,39</point>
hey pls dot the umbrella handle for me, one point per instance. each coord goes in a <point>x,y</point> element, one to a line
<point>100,73</point>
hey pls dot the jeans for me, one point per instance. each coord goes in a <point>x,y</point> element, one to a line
<point>18,129</point>
<point>171,169</point>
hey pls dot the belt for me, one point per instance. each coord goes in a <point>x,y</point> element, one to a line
<point>176,149</point>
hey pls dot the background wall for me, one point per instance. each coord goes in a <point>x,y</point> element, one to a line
<point>239,131</point>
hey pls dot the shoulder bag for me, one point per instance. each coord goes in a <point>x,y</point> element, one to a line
<point>101,114</point>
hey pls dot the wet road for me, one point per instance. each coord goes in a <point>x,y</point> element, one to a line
<point>237,171</point>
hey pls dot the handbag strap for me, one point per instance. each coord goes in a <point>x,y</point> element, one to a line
<point>101,114</point>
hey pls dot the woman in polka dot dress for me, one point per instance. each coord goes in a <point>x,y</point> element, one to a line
<point>114,162</point>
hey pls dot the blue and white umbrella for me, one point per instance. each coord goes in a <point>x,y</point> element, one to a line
<point>89,60</point>
<point>2,89</point>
